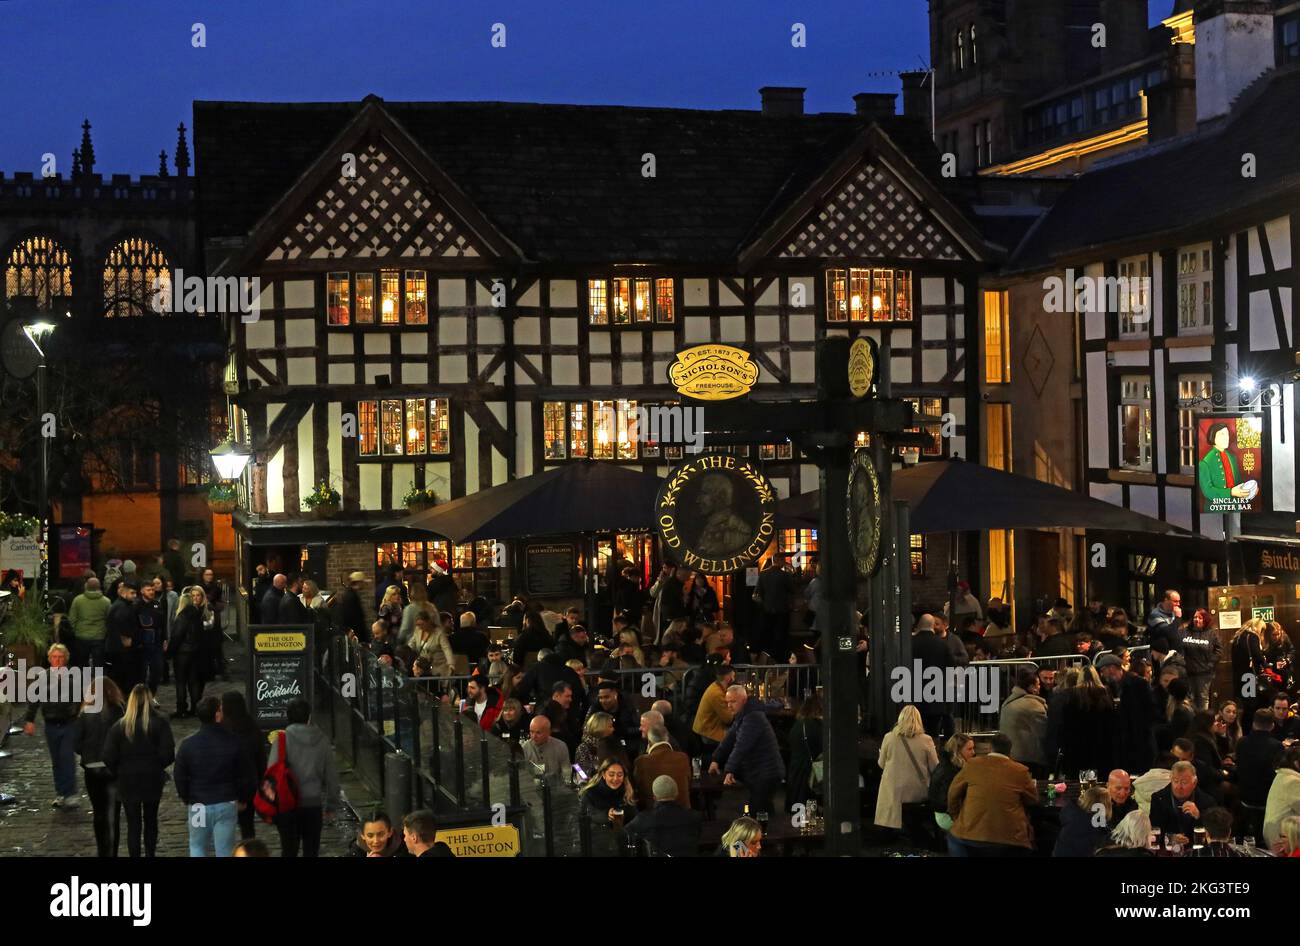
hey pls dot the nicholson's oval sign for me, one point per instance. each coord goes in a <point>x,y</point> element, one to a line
<point>862,366</point>
<point>716,513</point>
<point>713,372</point>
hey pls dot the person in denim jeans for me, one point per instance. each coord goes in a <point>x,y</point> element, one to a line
<point>60,734</point>
<point>214,769</point>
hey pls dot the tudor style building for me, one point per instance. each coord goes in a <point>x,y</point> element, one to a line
<point>458,294</point>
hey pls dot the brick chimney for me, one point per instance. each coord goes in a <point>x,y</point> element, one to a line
<point>1171,105</point>
<point>1126,33</point>
<point>782,99</point>
<point>916,96</point>
<point>1234,47</point>
<point>876,104</point>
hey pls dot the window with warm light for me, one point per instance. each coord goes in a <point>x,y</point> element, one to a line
<point>602,430</point>
<point>929,411</point>
<point>40,267</point>
<point>389,297</point>
<point>555,443</point>
<point>1194,392</point>
<point>579,430</point>
<point>401,297</point>
<point>997,422</point>
<point>776,451</point>
<point>338,298</point>
<point>137,278</point>
<point>869,295</point>
<point>1195,290</point>
<point>917,555</point>
<point>365,299</point>
<point>1135,314</point>
<point>404,427</point>
<point>1135,422</point>
<point>631,301</point>
<point>997,340</point>
<point>417,297</point>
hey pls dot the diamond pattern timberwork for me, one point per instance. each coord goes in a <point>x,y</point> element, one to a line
<point>382,213</point>
<point>874,215</point>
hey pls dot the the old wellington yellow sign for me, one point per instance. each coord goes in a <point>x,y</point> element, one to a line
<point>716,514</point>
<point>713,372</point>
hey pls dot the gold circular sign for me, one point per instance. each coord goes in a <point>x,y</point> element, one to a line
<point>713,372</point>
<point>864,513</point>
<point>716,513</point>
<point>862,366</point>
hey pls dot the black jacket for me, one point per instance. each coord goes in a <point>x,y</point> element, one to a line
<point>213,766</point>
<point>1247,657</point>
<point>139,762</point>
<point>931,649</point>
<point>470,642</point>
<point>627,720</point>
<point>1202,650</point>
<point>529,641</point>
<point>121,623</point>
<point>442,593</point>
<point>92,732</point>
<point>1167,814</point>
<point>260,587</point>
<point>152,619</point>
<point>566,725</point>
<point>1079,837</point>
<point>669,830</point>
<point>349,615</point>
<point>1257,757</point>
<point>538,682</point>
<point>1136,720</point>
<point>293,611</point>
<point>269,612</point>
<point>187,632</point>
<point>940,781</point>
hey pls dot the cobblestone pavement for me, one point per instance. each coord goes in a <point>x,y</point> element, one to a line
<point>31,827</point>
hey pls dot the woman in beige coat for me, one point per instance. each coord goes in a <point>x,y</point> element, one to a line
<point>907,757</point>
<point>429,641</point>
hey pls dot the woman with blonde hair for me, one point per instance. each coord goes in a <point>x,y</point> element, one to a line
<point>1130,838</point>
<point>189,629</point>
<point>138,750</point>
<point>1291,836</point>
<point>597,727</point>
<point>419,605</point>
<point>743,839</point>
<point>429,642</point>
<point>101,708</point>
<point>1248,662</point>
<point>629,654</point>
<point>1279,657</point>
<point>391,610</point>
<point>956,751</point>
<point>608,794</point>
<point>907,757</point>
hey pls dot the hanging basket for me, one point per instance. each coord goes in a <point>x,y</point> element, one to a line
<point>418,507</point>
<point>325,510</point>
<point>223,507</point>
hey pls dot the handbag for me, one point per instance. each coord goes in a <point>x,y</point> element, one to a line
<point>278,792</point>
<point>818,772</point>
<point>916,765</point>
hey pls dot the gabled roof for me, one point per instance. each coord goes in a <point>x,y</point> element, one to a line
<point>561,182</point>
<point>1166,189</point>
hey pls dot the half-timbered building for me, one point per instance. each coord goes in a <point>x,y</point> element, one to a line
<point>457,294</point>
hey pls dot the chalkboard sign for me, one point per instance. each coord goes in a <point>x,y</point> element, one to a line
<point>552,569</point>
<point>281,669</point>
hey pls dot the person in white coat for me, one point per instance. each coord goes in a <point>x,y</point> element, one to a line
<point>907,757</point>
<point>1283,796</point>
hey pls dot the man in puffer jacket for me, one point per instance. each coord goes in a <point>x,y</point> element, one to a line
<point>1201,650</point>
<point>749,753</point>
<point>311,760</point>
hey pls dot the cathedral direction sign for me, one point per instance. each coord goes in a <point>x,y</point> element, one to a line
<point>716,513</point>
<point>713,372</point>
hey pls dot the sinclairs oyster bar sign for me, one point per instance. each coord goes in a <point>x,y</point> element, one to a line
<point>716,514</point>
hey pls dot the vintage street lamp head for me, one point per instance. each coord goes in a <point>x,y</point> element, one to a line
<point>35,331</point>
<point>1247,385</point>
<point>230,459</point>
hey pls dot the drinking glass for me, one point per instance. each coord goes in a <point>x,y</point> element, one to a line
<point>1248,840</point>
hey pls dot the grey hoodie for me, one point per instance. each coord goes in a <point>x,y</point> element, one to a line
<point>311,759</point>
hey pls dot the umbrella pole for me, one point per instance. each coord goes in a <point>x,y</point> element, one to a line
<point>952,578</point>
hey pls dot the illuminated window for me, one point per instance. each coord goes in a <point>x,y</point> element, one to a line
<point>997,339</point>
<point>1002,567</point>
<point>1195,290</point>
<point>1135,422</point>
<point>338,298</point>
<point>1141,589</point>
<point>869,295</point>
<point>38,266</point>
<point>578,430</point>
<point>390,297</point>
<point>417,426</point>
<point>776,451</point>
<point>137,279</point>
<point>665,300</point>
<point>368,428</point>
<point>439,425</point>
<point>417,297</point>
<point>997,420</point>
<point>365,299</point>
<point>1135,284</point>
<point>620,301</point>
<point>597,302</point>
<point>918,556</point>
<point>641,306</point>
<point>602,425</point>
<point>1193,397</point>
<point>627,430</point>
<point>554,439</point>
<point>391,439</point>
<point>929,414</point>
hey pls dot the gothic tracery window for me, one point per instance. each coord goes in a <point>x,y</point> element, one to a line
<point>137,279</point>
<point>38,266</point>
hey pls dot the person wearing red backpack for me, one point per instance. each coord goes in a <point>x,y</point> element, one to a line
<point>311,761</point>
<point>484,702</point>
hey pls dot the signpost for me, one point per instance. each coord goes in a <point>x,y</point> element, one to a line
<point>280,668</point>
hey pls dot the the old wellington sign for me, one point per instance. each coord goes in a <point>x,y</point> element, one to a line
<point>713,372</point>
<point>716,513</point>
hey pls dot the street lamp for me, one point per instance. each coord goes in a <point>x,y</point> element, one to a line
<point>230,459</point>
<point>35,332</point>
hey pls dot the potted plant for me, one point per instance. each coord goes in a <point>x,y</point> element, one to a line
<point>222,498</point>
<point>418,500</point>
<point>323,501</point>
<point>16,525</point>
<point>26,633</point>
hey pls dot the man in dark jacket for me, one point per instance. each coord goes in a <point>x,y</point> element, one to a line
<point>929,648</point>
<point>420,833</point>
<point>1162,620</point>
<point>564,716</point>
<point>776,590</point>
<point>122,649</point>
<point>152,637</point>
<point>1136,718</point>
<point>261,584</point>
<point>349,615</point>
<point>214,769</point>
<point>270,609</point>
<point>627,721</point>
<point>1177,808</point>
<point>60,729</point>
<point>1058,643</point>
<point>576,645</point>
<point>749,753</point>
<point>1258,755</point>
<point>669,829</point>
<point>469,640</point>
<point>1201,649</point>
<point>443,592</point>
<point>292,610</point>
<point>539,682</point>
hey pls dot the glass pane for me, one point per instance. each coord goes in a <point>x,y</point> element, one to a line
<point>390,298</point>
<point>390,428</point>
<point>417,297</point>
<point>596,302</point>
<point>365,298</point>
<point>881,295</point>
<point>603,420</point>
<point>859,293</point>
<point>627,430</point>
<point>641,299</point>
<point>665,308</point>
<point>367,428</point>
<point>767,451</point>
<point>578,430</point>
<point>417,435</point>
<point>553,440</point>
<point>440,425</point>
<point>837,306</point>
<point>338,294</point>
<point>903,295</point>
<point>621,301</point>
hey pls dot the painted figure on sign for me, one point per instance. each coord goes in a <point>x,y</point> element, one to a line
<point>1219,477</point>
<point>724,533</point>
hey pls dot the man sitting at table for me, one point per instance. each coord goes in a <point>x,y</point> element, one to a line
<point>988,802</point>
<point>1120,788</point>
<point>669,828</point>
<point>1177,809</point>
<point>1218,833</point>
<point>544,751</point>
<point>660,759</point>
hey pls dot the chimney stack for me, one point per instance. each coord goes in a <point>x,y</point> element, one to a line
<point>1126,33</point>
<point>1234,47</point>
<point>876,105</point>
<point>916,95</point>
<point>782,99</point>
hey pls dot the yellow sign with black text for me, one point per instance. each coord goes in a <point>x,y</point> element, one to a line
<point>286,641</point>
<point>713,372</point>
<point>482,841</point>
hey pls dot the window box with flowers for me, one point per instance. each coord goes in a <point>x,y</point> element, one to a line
<point>18,526</point>
<point>222,498</point>
<point>323,501</point>
<point>418,500</point>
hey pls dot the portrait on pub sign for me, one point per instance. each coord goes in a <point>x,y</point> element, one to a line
<point>1230,473</point>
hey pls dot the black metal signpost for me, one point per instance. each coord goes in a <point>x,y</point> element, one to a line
<point>826,431</point>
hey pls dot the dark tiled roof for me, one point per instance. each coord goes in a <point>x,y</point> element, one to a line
<point>561,181</point>
<point>1168,188</point>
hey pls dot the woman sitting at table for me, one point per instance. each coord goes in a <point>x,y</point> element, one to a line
<point>1229,733</point>
<point>1084,825</point>
<point>607,797</point>
<point>907,758</point>
<point>1291,836</point>
<point>956,751</point>
<point>1130,837</point>
<point>743,839</point>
